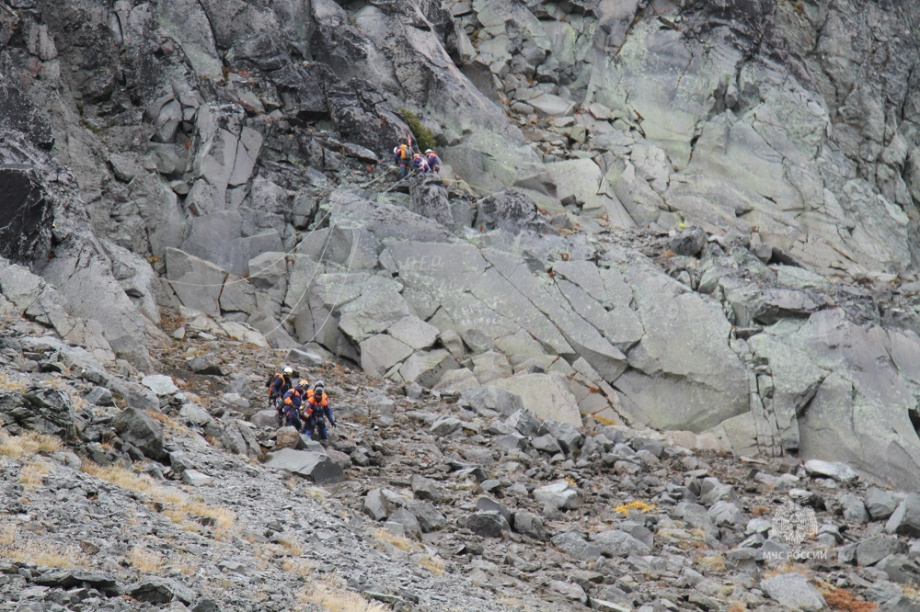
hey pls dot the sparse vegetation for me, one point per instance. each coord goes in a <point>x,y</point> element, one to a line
<point>715,563</point>
<point>293,547</point>
<point>145,560</point>
<point>28,444</point>
<point>15,545</point>
<point>435,565</point>
<point>32,475</point>
<point>424,137</point>
<point>333,599</point>
<point>12,385</point>
<point>187,568</point>
<point>844,601</point>
<point>788,567</point>
<point>165,420</point>
<point>401,542</point>
<point>55,382</point>
<point>301,567</point>
<point>172,503</point>
<point>7,535</point>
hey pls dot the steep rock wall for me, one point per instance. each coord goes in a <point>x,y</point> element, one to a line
<point>223,143</point>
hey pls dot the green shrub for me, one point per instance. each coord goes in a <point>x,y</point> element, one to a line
<point>423,136</point>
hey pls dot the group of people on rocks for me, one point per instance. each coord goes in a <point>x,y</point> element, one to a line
<point>299,406</point>
<point>406,159</point>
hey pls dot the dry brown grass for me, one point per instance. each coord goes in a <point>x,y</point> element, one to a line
<point>32,475</point>
<point>13,385</point>
<point>7,535</point>
<point>333,599</point>
<point>167,422</point>
<point>28,444</point>
<point>910,592</point>
<point>17,546</point>
<point>401,542</point>
<point>220,517</point>
<point>843,600</point>
<point>434,565</point>
<point>176,515</point>
<point>187,568</point>
<point>55,383</point>
<point>195,399</point>
<point>120,477</point>
<point>714,563</point>
<point>171,502</point>
<point>145,560</point>
<point>301,567</point>
<point>292,547</point>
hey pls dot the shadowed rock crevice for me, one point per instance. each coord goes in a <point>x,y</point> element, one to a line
<point>26,217</point>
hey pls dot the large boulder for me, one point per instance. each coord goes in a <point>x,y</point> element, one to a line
<point>429,199</point>
<point>492,398</point>
<point>381,352</point>
<point>197,282</point>
<point>579,181</point>
<point>427,368</point>
<point>866,394</point>
<point>38,300</point>
<point>318,467</point>
<point>793,591</point>
<point>142,431</point>
<point>795,379</point>
<point>45,410</point>
<point>83,274</point>
<point>683,374</point>
<point>379,306</point>
<point>546,395</point>
<point>905,520</point>
<point>509,210</point>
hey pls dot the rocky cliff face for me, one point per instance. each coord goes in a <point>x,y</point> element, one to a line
<point>691,217</point>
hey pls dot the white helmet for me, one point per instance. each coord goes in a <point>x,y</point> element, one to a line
<point>288,370</point>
